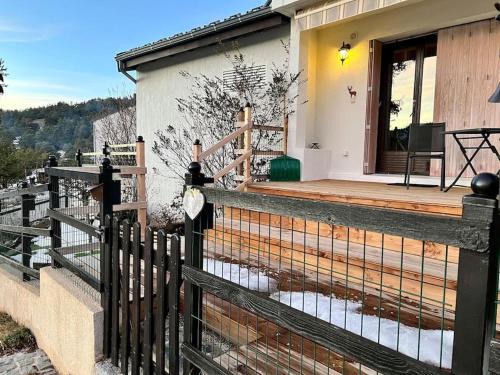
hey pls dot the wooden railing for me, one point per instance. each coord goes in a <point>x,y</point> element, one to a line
<point>126,171</point>
<point>243,162</point>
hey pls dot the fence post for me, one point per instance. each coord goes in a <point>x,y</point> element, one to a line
<point>27,204</point>
<point>247,164</point>
<point>240,122</point>
<point>54,203</point>
<point>475,315</point>
<point>174,285</point>
<point>111,191</point>
<point>78,157</point>
<point>140,159</point>
<point>193,253</point>
<point>197,150</point>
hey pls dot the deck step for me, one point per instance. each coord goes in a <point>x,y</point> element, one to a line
<point>428,200</point>
<point>429,249</point>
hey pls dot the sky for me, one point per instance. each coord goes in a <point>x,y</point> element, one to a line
<point>63,50</point>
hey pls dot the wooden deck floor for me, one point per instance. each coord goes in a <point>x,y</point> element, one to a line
<point>423,199</point>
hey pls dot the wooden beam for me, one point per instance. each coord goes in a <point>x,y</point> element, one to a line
<point>363,350</point>
<point>231,166</point>
<point>205,154</point>
<point>75,223</point>
<point>130,206</point>
<point>27,270</point>
<point>451,231</point>
<point>199,360</point>
<point>25,230</point>
<point>31,190</point>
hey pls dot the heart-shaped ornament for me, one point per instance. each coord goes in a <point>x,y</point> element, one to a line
<point>193,202</point>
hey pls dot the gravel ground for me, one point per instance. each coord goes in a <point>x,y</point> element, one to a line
<point>27,363</point>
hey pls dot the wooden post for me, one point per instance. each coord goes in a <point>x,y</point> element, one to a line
<point>140,159</point>
<point>247,165</point>
<point>240,121</point>
<point>197,150</point>
<point>475,314</point>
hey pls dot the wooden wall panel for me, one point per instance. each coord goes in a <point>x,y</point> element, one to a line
<point>372,107</point>
<point>467,73</point>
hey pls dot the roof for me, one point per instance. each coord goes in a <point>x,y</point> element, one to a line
<point>130,59</point>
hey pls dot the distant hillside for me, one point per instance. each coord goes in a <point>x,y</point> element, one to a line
<point>63,126</point>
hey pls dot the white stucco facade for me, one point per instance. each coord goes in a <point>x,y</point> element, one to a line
<point>160,83</point>
<point>330,118</point>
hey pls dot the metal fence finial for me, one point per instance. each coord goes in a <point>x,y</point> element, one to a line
<point>486,185</point>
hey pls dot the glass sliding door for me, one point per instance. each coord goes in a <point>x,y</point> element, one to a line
<point>407,96</point>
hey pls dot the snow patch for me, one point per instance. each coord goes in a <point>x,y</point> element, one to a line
<point>347,314</point>
<point>250,278</point>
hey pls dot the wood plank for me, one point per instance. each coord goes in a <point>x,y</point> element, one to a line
<point>197,358</point>
<point>30,190</point>
<point>148,303</point>
<point>25,230</point>
<point>352,272</point>
<point>463,86</point>
<point>431,250</point>
<point>368,193</point>
<point>57,214</point>
<point>129,206</point>
<point>231,166</point>
<point>443,229</point>
<point>262,239</point>
<point>205,154</point>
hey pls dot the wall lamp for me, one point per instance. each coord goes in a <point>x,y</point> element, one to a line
<point>344,52</point>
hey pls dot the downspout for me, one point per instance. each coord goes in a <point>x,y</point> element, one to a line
<point>121,69</point>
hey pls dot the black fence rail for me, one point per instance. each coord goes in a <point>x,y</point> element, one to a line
<point>76,227</point>
<point>298,286</point>
<point>141,299</point>
<point>24,235</point>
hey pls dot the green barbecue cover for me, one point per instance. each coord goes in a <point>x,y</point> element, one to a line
<point>285,168</point>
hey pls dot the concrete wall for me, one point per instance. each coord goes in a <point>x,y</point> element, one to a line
<point>66,322</point>
<point>330,117</point>
<point>159,84</point>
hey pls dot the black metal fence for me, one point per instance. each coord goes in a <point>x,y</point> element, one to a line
<point>76,227</point>
<point>298,286</point>
<point>273,284</point>
<point>24,234</point>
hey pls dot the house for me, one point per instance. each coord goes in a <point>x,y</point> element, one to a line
<point>404,61</point>
<point>259,34</point>
<point>449,52</point>
<point>115,128</point>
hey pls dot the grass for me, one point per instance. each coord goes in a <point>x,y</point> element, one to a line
<point>14,337</point>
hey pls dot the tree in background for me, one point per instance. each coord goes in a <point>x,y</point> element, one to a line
<point>117,123</point>
<point>209,114</point>
<point>3,74</point>
<point>15,163</point>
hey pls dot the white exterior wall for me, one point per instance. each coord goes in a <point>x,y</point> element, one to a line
<point>159,84</point>
<point>329,117</point>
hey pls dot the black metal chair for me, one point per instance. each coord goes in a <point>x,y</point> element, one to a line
<point>426,141</point>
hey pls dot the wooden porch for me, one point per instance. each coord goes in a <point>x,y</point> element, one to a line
<point>422,199</point>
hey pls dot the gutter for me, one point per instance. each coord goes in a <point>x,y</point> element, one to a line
<point>214,28</point>
<point>122,70</point>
